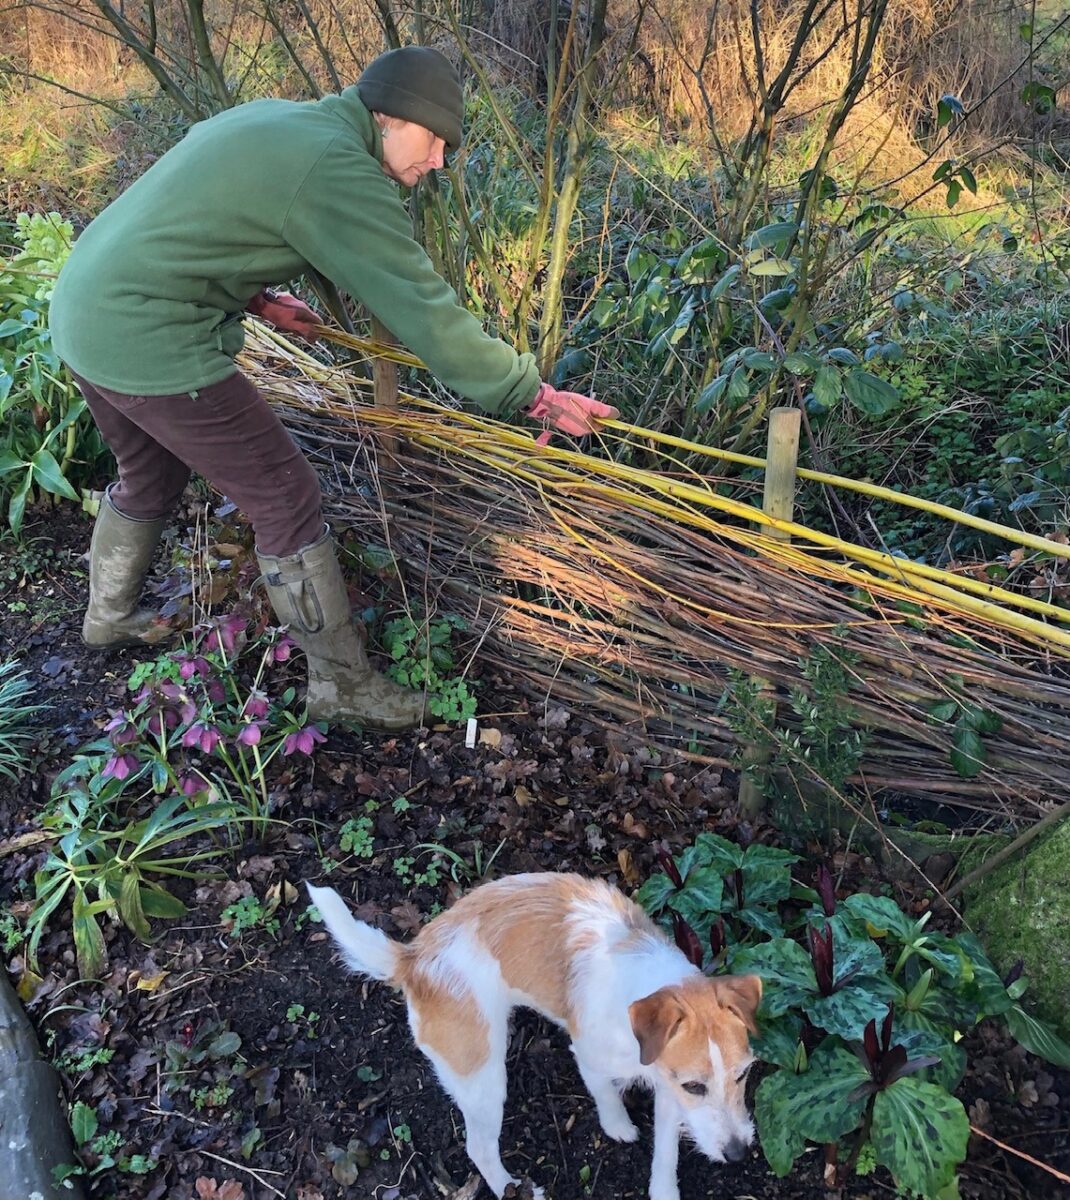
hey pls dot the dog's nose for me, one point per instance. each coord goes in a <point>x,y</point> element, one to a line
<point>736,1150</point>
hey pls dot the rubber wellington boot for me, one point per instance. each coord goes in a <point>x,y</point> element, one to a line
<point>120,555</point>
<point>308,594</point>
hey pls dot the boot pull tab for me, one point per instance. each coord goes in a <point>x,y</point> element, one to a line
<point>306,612</point>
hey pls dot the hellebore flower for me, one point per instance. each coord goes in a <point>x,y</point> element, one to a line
<point>224,633</point>
<point>303,741</point>
<point>214,690</point>
<point>121,731</point>
<point>282,649</point>
<point>191,664</point>
<point>119,766</point>
<point>163,718</point>
<point>250,734</point>
<point>687,940</point>
<point>179,699</point>
<point>207,737</point>
<point>826,889</point>
<point>256,707</point>
<point>191,783</point>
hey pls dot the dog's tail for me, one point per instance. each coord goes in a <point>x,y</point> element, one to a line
<point>365,949</point>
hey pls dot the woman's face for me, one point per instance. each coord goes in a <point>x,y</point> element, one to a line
<point>410,151</point>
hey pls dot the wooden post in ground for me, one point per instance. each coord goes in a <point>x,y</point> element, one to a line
<point>778,500</point>
<point>385,385</point>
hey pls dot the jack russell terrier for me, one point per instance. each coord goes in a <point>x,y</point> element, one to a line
<point>582,954</point>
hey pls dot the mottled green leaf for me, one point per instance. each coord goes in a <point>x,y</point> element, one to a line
<point>919,1133</point>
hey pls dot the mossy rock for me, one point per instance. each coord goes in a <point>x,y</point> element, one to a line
<point>1022,910</point>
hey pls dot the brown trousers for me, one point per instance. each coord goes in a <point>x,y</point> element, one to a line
<point>226,432</point>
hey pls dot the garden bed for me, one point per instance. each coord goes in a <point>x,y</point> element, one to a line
<point>235,1049</point>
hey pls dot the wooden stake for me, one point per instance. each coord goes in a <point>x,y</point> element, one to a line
<point>385,384</point>
<point>778,500</point>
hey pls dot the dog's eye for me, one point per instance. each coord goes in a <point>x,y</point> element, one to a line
<point>694,1088</point>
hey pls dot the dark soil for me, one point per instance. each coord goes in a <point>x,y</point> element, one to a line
<point>556,792</point>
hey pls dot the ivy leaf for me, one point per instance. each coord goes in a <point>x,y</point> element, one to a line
<point>919,1133</point>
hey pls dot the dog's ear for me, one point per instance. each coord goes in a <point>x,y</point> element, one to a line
<point>655,1019</point>
<point>740,994</point>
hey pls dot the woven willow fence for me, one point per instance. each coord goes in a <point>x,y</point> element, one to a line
<point>630,593</point>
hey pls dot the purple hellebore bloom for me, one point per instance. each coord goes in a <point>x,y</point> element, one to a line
<point>225,633</point>
<point>303,741</point>
<point>250,734</point>
<point>119,766</point>
<point>179,697</point>
<point>214,691</point>
<point>207,737</point>
<point>163,718</point>
<point>122,732</point>
<point>191,664</point>
<point>256,707</point>
<point>282,649</point>
<point>192,782</point>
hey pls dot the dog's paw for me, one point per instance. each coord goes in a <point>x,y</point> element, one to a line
<point>618,1126</point>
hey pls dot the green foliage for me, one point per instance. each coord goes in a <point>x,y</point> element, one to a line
<point>357,835</point>
<point>104,867</point>
<point>48,443</point>
<point>100,1151</point>
<point>15,719</point>
<point>862,1018</point>
<point>249,913</point>
<point>423,659</point>
<point>815,737</point>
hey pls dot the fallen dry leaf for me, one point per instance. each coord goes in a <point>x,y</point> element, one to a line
<point>209,1189</point>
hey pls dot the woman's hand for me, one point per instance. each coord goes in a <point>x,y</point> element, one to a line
<point>286,312</point>
<point>568,412</point>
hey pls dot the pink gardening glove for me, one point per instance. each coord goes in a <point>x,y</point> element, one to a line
<point>568,412</point>
<point>286,312</point>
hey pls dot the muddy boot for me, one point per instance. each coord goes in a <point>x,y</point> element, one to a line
<point>308,593</point>
<point>120,555</point>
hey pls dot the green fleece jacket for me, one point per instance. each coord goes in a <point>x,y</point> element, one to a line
<point>150,301</point>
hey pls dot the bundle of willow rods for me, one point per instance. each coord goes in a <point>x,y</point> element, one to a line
<point>629,594</point>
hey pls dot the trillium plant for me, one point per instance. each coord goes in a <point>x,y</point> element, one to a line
<point>862,1012</point>
<point>191,751</point>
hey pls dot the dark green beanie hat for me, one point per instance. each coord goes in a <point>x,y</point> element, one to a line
<point>416,84</point>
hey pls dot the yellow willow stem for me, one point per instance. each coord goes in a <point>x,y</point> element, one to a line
<point>514,452</point>
<point>875,491</point>
<point>1034,541</point>
<point>878,560</point>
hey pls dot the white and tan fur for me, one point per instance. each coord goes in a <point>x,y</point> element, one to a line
<point>582,954</point>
